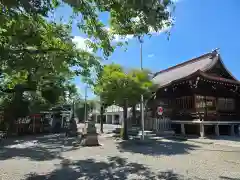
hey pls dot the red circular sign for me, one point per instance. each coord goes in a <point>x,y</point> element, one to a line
<point>160,110</point>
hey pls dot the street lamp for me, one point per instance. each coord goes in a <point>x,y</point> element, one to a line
<point>141,105</point>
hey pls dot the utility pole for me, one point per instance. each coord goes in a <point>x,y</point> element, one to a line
<point>85,106</point>
<point>142,101</point>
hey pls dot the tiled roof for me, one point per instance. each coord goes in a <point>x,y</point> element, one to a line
<point>207,76</point>
<point>201,63</point>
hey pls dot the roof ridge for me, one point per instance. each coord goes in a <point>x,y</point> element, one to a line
<point>184,63</point>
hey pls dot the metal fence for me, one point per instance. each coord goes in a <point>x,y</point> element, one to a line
<point>161,124</point>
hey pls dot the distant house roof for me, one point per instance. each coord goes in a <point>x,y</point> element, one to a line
<point>185,69</point>
<point>114,108</point>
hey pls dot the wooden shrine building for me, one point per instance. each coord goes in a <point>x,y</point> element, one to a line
<point>200,96</point>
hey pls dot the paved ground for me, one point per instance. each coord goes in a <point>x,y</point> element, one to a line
<point>106,127</point>
<point>221,140</point>
<point>53,157</point>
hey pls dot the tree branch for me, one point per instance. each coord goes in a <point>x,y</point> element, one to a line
<point>34,51</point>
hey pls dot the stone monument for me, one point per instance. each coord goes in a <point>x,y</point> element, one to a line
<point>72,128</point>
<point>90,136</point>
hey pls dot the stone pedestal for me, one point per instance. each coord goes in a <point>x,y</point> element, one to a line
<point>183,129</point>
<point>202,131</point>
<point>90,136</point>
<point>216,130</point>
<point>232,130</point>
<point>238,127</point>
<point>72,128</point>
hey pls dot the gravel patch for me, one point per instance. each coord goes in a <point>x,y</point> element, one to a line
<point>52,157</point>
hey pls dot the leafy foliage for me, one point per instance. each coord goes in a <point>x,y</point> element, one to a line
<point>37,56</point>
<point>129,17</point>
<point>80,108</point>
<point>114,85</point>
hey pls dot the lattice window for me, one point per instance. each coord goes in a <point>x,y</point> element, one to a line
<point>226,104</point>
<point>185,102</point>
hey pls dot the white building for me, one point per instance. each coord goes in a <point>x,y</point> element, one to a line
<point>113,114</point>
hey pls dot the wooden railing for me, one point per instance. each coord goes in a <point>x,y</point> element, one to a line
<point>155,124</point>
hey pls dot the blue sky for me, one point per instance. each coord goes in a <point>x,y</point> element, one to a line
<point>200,26</point>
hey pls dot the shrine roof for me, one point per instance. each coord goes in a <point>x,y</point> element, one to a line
<point>220,79</point>
<point>202,63</point>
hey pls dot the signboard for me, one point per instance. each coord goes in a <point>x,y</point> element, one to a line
<point>160,111</point>
<point>25,120</point>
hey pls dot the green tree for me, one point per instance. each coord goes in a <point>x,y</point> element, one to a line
<point>126,17</point>
<point>35,51</point>
<point>36,62</point>
<point>123,88</point>
<point>80,108</point>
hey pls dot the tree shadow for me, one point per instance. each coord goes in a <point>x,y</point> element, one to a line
<point>155,147</point>
<point>38,148</point>
<point>114,168</point>
<point>228,178</point>
<point>227,138</point>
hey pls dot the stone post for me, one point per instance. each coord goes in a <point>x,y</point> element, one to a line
<point>183,129</point>
<point>217,130</point>
<point>202,132</point>
<point>232,130</point>
<point>90,138</point>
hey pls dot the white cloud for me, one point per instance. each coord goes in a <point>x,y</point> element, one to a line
<point>150,55</point>
<point>118,38</point>
<point>81,43</point>
<point>164,29</point>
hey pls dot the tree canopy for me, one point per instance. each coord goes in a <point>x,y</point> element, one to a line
<point>129,17</point>
<point>39,60</point>
<point>114,85</point>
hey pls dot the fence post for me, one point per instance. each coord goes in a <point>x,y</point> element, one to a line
<point>157,123</point>
<point>153,124</point>
<point>146,123</point>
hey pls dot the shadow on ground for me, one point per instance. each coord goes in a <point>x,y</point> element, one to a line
<point>38,148</point>
<point>228,178</point>
<point>114,168</point>
<point>227,138</point>
<point>155,148</point>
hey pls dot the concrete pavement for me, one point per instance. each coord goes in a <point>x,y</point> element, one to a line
<point>52,157</point>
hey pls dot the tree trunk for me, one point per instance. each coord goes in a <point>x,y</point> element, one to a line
<point>125,129</point>
<point>134,118</point>
<point>101,118</point>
